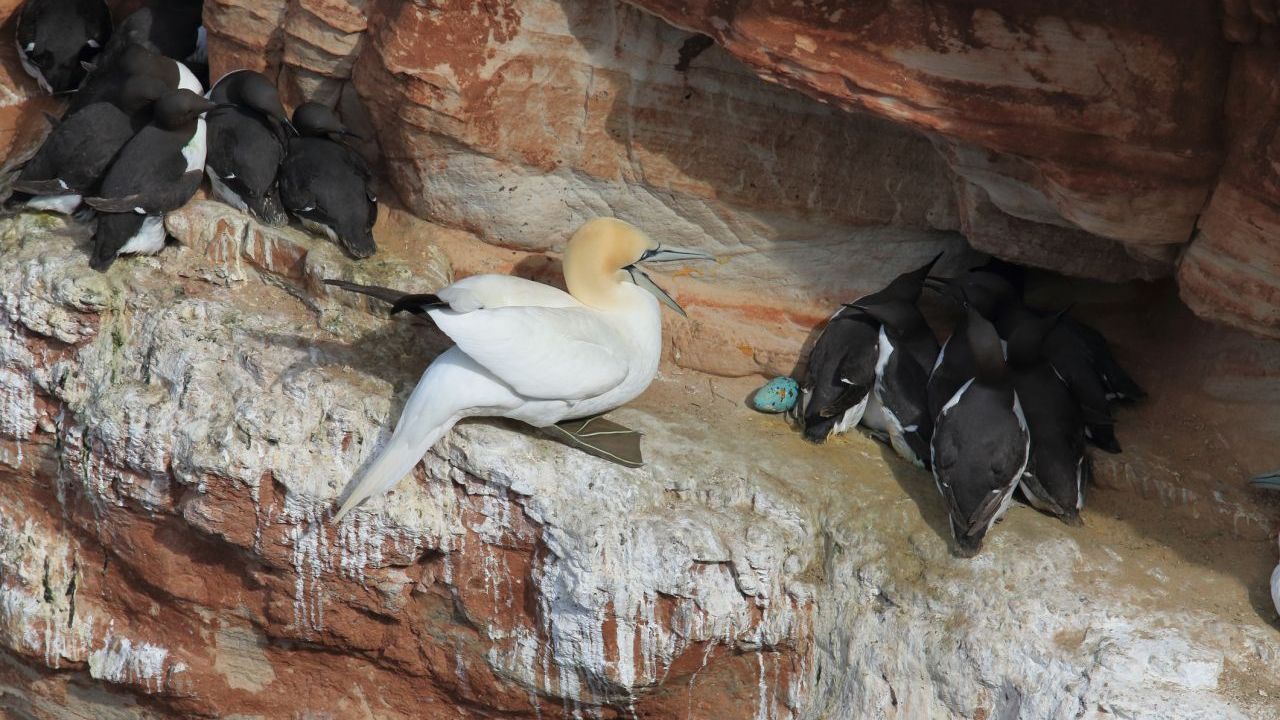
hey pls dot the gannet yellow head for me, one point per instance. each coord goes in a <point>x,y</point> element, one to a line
<point>603,254</point>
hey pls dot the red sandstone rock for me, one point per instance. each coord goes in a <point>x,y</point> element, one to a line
<point>1115,107</point>
<point>1231,272</point>
<point>1105,123</point>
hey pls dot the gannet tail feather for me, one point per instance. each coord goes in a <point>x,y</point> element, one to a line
<point>453,387</point>
<point>417,304</point>
<point>427,416</point>
<point>395,461</point>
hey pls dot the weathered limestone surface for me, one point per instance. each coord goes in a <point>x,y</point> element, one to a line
<point>174,434</point>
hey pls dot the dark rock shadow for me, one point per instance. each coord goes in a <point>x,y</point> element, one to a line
<point>917,484</point>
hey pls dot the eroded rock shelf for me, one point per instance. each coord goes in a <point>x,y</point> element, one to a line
<point>173,433</point>
<point>174,441</point>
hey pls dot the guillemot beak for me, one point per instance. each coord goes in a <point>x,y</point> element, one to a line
<point>663,254</point>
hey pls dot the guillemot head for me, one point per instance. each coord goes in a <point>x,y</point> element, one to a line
<point>254,91</point>
<point>140,91</point>
<point>605,252</point>
<point>177,108</point>
<point>1027,336</point>
<point>311,119</point>
<point>52,53</point>
<point>904,288</point>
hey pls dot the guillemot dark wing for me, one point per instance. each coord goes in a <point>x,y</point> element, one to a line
<point>77,153</point>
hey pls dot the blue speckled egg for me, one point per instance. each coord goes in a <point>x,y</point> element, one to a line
<point>778,396</point>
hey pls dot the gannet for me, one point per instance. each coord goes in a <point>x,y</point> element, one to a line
<point>531,352</point>
<point>1271,481</point>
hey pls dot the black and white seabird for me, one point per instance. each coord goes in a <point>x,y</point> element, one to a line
<point>157,171</point>
<point>77,153</point>
<point>123,60</point>
<point>247,143</point>
<point>841,370</point>
<point>173,28</point>
<point>898,405</point>
<point>840,376</point>
<point>55,37</point>
<point>1059,469</point>
<point>980,441</point>
<point>326,184</point>
<point>985,292</point>
<point>1118,384</point>
<point>1070,357</point>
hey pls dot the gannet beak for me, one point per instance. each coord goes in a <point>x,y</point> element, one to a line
<point>1270,481</point>
<point>672,254</point>
<point>640,278</point>
<point>663,254</point>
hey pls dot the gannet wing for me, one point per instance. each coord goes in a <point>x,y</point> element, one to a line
<point>536,338</point>
<point>485,292</point>
<point>548,353</point>
<point>478,292</point>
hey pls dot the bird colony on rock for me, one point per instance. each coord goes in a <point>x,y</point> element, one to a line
<point>1008,401</point>
<point>139,135</point>
<point>138,138</point>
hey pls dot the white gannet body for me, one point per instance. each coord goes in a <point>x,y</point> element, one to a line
<point>1275,587</point>
<point>531,352</point>
<point>1271,481</point>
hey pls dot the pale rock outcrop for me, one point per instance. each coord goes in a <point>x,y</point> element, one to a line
<point>175,432</point>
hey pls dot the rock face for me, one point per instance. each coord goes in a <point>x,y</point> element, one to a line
<point>1231,273</point>
<point>1103,117</point>
<point>174,435</point>
<point>1080,138</point>
<point>1085,139</point>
